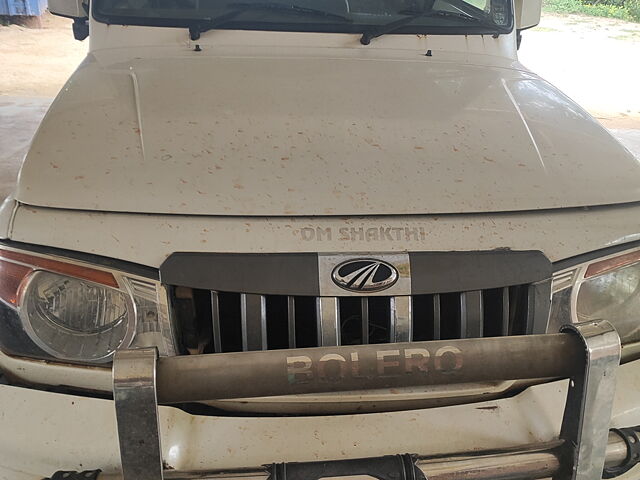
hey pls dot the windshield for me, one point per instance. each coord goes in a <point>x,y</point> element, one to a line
<point>368,17</point>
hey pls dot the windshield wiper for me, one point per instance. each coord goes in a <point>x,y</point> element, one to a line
<point>206,24</point>
<point>393,26</point>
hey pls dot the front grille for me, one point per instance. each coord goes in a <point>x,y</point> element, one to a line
<point>214,322</point>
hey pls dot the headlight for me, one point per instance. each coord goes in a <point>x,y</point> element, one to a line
<point>77,312</point>
<point>607,288</point>
<point>75,319</point>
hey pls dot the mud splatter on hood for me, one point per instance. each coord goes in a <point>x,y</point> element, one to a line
<point>294,135</point>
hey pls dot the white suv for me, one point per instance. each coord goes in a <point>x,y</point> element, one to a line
<point>335,231</point>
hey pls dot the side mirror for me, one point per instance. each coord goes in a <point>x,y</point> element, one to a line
<point>67,8</point>
<point>75,9</point>
<point>528,13</point>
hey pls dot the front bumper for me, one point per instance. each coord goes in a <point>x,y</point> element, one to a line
<point>46,432</point>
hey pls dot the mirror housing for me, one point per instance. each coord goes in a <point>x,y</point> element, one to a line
<point>75,9</point>
<point>68,8</point>
<point>527,13</point>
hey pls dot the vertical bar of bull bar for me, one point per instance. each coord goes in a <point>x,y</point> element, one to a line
<point>134,392</point>
<point>587,415</point>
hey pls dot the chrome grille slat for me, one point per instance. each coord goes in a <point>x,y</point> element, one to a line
<point>253,310</point>
<point>215,317</point>
<point>437,316</point>
<point>471,314</point>
<point>505,311</point>
<point>531,310</point>
<point>328,318</point>
<point>364,309</point>
<point>537,307</point>
<point>291,319</point>
<point>401,321</point>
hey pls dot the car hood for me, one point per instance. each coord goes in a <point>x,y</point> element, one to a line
<point>300,134</point>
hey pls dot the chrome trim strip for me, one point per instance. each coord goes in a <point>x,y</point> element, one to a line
<point>401,319</point>
<point>437,330</point>
<point>134,392</point>
<point>364,309</point>
<point>531,308</point>
<point>328,321</point>
<point>215,317</point>
<point>505,311</point>
<point>253,312</point>
<point>471,314</point>
<point>291,320</point>
<point>538,307</point>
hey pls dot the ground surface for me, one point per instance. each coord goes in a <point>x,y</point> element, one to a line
<point>37,62</point>
<point>595,61</point>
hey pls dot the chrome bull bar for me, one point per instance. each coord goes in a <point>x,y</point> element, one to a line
<point>587,353</point>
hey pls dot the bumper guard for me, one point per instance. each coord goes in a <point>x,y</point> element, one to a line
<point>588,354</point>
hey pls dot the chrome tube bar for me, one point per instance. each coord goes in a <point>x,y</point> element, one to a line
<point>192,378</point>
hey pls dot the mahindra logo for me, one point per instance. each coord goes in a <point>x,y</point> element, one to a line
<point>364,275</point>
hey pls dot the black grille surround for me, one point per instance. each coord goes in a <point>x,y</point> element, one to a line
<point>260,316</point>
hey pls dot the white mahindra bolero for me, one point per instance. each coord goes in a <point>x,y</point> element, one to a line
<point>318,239</point>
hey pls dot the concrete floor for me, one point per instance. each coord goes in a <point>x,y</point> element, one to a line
<point>20,117</point>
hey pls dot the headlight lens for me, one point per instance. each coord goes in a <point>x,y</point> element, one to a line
<point>78,312</point>
<point>607,289</point>
<point>613,296</point>
<point>75,319</point>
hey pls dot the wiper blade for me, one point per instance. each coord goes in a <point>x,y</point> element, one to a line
<point>291,8</point>
<point>463,16</point>
<point>206,24</point>
<point>393,26</point>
